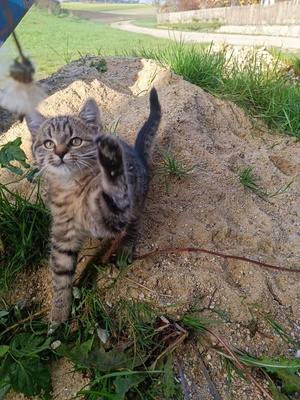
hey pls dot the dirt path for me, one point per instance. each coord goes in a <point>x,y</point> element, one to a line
<point>291,43</point>
<point>109,17</point>
<point>121,19</point>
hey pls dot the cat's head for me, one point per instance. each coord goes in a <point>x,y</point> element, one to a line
<point>64,145</point>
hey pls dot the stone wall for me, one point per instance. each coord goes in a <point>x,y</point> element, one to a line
<point>257,15</point>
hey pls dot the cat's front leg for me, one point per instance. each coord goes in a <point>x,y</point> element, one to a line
<point>114,199</point>
<point>63,260</point>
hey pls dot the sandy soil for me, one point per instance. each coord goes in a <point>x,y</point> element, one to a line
<point>208,209</point>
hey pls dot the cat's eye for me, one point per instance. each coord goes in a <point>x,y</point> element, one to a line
<point>49,144</point>
<point>76,142</point>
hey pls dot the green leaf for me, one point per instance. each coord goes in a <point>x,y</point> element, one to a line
<point>5,387</point>
<point>98,358</point>
<point>124,383</point>
<point>270,365</point>
<point>274,390</point>
<point>106,361</point>
<point>4,377</point>
<point>30,377</point>
<point>11,151</point>
<point>3,350</point>
<point>79,354</point>
<point>285,369</point>
<point>291,382</point>
<point>28,345</point>
<point>168,378</point>
<point>3,313</point>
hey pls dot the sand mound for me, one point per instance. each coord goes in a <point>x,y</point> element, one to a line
<point>208,209</point>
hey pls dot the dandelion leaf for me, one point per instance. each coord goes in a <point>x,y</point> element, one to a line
<point>12,151</point>
<point>124,383</point>
<point>27,345</point>
<point>30,377</point>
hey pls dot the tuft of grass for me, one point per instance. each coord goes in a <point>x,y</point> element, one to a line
<point>66,54</point>
<point>249,181</point>
<point>174,167</point>
<point>194,63</point>
<point>24,231</point>
<point>112,129</point>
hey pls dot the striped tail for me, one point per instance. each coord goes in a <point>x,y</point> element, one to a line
<point>144,140</point>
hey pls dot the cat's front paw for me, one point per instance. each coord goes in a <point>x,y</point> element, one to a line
<point>58,315</point>
<point>110,155</point>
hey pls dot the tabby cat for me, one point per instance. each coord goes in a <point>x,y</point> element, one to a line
<point>97,186</point>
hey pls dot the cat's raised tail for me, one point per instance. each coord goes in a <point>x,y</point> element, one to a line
<point>144,140</point>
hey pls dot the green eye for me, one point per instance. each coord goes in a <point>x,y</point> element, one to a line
<point>49,144</point>
<point>76,142</point>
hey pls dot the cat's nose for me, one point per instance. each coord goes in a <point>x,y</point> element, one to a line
<point>61,151</point>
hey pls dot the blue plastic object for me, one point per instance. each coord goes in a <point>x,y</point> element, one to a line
<point>11,13</point>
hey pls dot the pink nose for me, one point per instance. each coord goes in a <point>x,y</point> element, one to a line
<point>61,151</point>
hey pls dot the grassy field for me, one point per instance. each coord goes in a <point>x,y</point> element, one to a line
<point>51,41</point>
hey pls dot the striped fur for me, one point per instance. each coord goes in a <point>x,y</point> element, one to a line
<point>97,186</point>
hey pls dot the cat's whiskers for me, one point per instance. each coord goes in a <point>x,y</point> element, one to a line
<point>89,156</point>
<point>43,169</point>
<point>80,162</point>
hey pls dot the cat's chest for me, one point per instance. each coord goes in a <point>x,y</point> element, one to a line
<point>67,203</point>
<point>74,206</point>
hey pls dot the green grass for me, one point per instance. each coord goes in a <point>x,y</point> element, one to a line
<point>51,40</point>
<point>172,166</point>
<point>24,232</point>
<point>194,26</point>
<point>146,23</point>
<point>249,181</point>
<point>126,350</point>
<point>266,94</point>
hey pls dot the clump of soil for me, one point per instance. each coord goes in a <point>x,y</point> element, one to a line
<point>207,209</point>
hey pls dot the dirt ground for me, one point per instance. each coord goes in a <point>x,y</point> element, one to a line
<point>109,17</point>
<point>208,209</point>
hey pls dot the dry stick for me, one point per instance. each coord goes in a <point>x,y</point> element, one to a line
<point>217,254</point>
<point>212,388</point>
<point>31,316</point>
<point>182,378</point>
<point>145,287</point>
<point>240,365</point>
<point>10,22</point>
<point>113,247</point>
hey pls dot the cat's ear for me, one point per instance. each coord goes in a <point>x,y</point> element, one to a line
<point>34,121</point>
<point>90,112</point>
